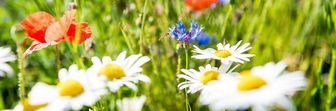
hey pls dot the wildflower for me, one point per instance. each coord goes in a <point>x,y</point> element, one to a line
<point>75,89</point>
<point>6,56</point>
<point>225,53</point>
<point>198,80</point>
<point>195,34</point>
<point>36,25</point>
<point>259,88</point>
<point>122,71</point>
<point>131,104</point>
<point>199,5</point>
<point>202,40</point>
<point>45,30</point>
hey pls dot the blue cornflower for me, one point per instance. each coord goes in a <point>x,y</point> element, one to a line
<point>202,39</point>
<point>195,34</point>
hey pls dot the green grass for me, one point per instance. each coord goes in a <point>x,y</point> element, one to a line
<point>301,32</point>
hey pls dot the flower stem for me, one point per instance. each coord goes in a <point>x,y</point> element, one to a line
<point>20,42</point>
<point>186,51</point>
<point>21,75</point>
<point>178,68</point>
<point>58,57</point>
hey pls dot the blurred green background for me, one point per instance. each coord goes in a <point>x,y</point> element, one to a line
<point>301,32</point>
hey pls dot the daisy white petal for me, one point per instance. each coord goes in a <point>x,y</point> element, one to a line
<point>6,56</point>
<point>225,54</point>
<point>131,104</point>
<point>259,88</point>
<point>198,80</point>
<point>75,89</point>
<point>122,71</point>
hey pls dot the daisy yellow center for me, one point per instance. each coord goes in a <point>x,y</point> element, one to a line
<point>222,53</point>
<point>209,76</point>
<point>70,87</point>
<point>29,107</point>
<point>112,71</point>
<point>250,82</point>
<point>245,72</point>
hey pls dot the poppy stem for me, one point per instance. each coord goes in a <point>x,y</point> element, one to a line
<point>21,75</point>
<point>20,48</point>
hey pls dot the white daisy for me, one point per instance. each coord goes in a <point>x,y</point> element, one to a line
<point>131,104</point>
<point>6,56</point>
<point>122,71</point>
<point>75,89</point>
<point>259,88</point>
<point>197,80</point>
<point>225,53</point>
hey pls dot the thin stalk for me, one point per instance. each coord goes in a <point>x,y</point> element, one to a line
<point>58,8</point>
<point>331,81</point>
<point>21,75</point>
<point>186,51</point>
<point>58,57</point>
<point>179,63</point>
<point>77,58</point>
<point>127,39</point>
<point>141,41</point>
<point>228,14</point>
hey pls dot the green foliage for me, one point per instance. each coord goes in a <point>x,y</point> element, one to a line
<point>301,32</point>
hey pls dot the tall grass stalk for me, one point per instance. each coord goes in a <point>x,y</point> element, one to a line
<point>75,45</point>
<point>143,16</point>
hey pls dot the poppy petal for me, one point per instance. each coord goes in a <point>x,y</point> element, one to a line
<point>36,25</point>
<point>85,31</point>
<point>198,5</point>
<point>35,46</point>
<point>59,29</point>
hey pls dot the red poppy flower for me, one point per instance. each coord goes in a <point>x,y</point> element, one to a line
<point>36,25</point>
<point>45,31</point>
<point>198,5</point>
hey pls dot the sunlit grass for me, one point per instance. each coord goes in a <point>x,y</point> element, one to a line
<point>300,32</point>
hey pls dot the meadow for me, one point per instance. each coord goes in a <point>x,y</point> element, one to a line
<point>301,33</point>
